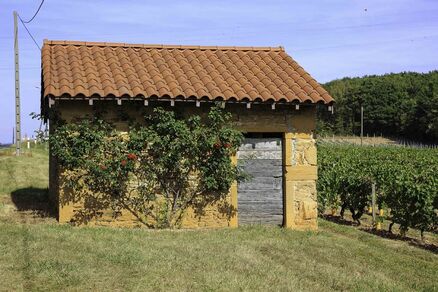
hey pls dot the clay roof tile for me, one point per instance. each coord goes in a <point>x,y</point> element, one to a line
<point>102,69</point>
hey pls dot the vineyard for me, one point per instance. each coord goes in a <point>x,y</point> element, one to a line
<point>406,181</point>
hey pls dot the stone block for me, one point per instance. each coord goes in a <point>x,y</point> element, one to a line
<point>305,190</point>
<point>304,152</point>
<point>301,173</point>
<point>309,209</point>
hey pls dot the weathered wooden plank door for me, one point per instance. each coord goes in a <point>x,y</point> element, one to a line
<point>260,198</point>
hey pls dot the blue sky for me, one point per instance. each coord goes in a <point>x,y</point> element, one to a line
<point>330,39</point>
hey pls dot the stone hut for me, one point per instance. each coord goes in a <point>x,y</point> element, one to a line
<point>272,98</point>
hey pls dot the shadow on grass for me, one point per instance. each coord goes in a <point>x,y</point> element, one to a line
<point>411,241</point>
<point>33,200</point>
<point>339,220</point>
<point>382,233</point>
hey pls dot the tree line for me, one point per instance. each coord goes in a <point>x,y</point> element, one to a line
<point>403,105</point>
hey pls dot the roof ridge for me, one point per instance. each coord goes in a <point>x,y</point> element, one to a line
<point>161,46</point>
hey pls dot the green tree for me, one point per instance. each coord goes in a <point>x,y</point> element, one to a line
<point>403,105</point>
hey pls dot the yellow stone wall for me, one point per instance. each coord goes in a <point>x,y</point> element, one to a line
<point>300,174</point>
<point>300,169</point>
<point>71,213</point>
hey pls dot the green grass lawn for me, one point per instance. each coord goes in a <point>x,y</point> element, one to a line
<point>55,257</point>
<point>43,255</point>
<point>29,170</point>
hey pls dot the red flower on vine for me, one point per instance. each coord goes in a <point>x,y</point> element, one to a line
<point>132,156</point>
<point>217,145</point>
<point>227,145</point>
<point>124,162</point>
<point>103,167</point>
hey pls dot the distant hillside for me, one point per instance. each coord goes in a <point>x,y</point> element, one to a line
<point>402,105</point>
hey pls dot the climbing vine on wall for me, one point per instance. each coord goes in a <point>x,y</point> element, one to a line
<point>155,171</point>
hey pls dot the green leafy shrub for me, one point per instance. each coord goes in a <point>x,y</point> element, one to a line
<point>155,171</point>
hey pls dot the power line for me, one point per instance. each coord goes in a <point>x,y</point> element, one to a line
<point>412,39</point>
<point>38,10</point>
<point>36,43</point>
<point>21,68</point>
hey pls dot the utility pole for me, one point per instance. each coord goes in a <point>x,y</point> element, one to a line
<point>17,89</point>
<point>361,124</point>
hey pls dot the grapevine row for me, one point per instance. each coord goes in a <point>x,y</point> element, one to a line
<point>406,180</point>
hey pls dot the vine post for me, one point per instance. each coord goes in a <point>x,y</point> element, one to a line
<point>373,202</point>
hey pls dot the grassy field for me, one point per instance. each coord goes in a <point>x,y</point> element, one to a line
<point>29,170</point>
<point>23,182</point>
<point>38,254</point>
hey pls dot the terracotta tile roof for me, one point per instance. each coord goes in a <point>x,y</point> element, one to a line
<point>116,70</point>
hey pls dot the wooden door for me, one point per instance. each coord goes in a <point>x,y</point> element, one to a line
<point>260,198</point>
